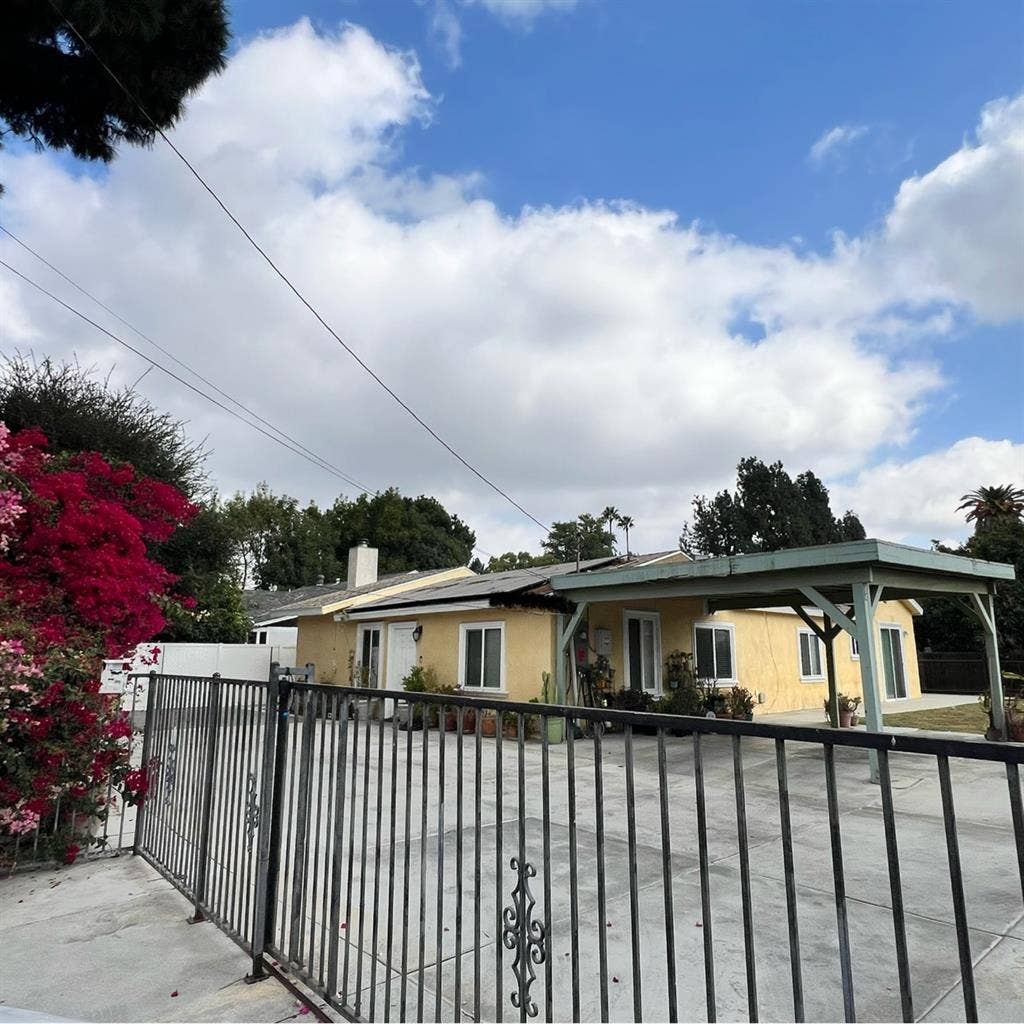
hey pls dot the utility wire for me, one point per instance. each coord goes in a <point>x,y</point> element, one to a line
<point>284,277</point>
<point>296,448</point>
<point>315,460</point>
<point>180,362</point>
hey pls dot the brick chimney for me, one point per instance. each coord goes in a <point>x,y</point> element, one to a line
<point>362,565</point>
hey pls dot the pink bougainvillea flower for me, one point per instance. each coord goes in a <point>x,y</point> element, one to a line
<point>77,583</point>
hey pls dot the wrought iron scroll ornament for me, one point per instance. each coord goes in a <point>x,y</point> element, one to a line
<point>523,934</point>
<point>252,811</point>
<point>170,770</point>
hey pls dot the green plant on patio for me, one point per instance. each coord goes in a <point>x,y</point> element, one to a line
<point>1013,709</point>
<point>740,703</point>
<point>847,709</point>
<point>420,679</point>
<point>712,698</point>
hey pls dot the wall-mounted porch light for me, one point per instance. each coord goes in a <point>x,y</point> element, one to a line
<point>417,633</point>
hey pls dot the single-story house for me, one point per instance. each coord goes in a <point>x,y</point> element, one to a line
<point>313,610</point>
<point>498,634</point>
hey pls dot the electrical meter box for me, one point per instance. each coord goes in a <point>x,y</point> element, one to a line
<point>603,641</point>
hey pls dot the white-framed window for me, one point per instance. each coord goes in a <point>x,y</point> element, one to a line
<point>482,655</point>
<point>367,661</point>
<point>811,656</point>
<point>714,651</point>
<point>641,633</point>
<point>854,648</point>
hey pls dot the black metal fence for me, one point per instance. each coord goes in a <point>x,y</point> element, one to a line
<point>404,863</point>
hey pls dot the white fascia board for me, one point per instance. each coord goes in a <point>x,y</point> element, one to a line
<point>411,610</point>
<point>258,623</point>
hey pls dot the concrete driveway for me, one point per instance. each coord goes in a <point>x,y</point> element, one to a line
<point>993,891</point>
<point>108,940</point>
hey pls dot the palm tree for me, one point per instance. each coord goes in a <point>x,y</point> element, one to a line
<point>609,516</point>
<point>986,504</point>
<point>626,523</point>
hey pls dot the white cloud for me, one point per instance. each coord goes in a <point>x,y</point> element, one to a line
<point>835,140</point>
<point>916,500</point>
<point>522,12</point>
<point>580,355</point>
<point>446,28</point>
<point>957,230</point>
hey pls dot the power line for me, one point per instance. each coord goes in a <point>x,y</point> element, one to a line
<point>296,449</point>
<point>170,355</point>
<point>284,277</point>
<point>314,459</point>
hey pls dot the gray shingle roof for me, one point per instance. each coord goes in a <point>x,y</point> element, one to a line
<point>486,585</point>
<point>264,605</point>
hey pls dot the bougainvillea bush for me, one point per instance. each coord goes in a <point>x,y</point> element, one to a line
<point>77,584</point>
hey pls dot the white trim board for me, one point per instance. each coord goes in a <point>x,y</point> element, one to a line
<point>413,610</point>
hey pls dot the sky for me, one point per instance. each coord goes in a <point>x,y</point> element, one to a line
<point>604,249</point>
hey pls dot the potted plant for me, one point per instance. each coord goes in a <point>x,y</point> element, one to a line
<point>468,715</point>
<point>847,709</point>
<point>419,680</point>
<point>554,724</point>
<point>488,723</point>
<point>509,725</point>
<point>740,704</point>
<point>713,700</point>
<point>678,669</point>
<point>1013,710</point>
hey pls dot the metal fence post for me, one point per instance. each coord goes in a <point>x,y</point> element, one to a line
<point>268,862</point>
<point>147,745</point>
<point>212,727</point>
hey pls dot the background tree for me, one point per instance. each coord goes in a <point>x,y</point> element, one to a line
<point>80,413</point>
<point>54,91</point>
<point>585,535</point>
<point>768,511</point>
<point>280,545</point>
<point>511,560</point>
<point>945,624</point>
<point>990,505</point>
<point>610,515</point>
<point>626,523</point>
<point>410,533</point>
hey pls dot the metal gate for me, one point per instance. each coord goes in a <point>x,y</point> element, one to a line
<point>413,856</point>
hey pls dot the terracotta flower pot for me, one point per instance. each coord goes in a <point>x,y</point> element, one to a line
<point>845,719</point>
<point>488,726</point>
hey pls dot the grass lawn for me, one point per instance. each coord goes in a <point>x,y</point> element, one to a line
<point>962,718</point>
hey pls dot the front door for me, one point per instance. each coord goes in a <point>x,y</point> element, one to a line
<point>643,651</point>
<point>401,657</point>
<point>892,662</point>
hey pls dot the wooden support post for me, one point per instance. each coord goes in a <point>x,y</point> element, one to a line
<point>865,601</point>
<point>830,671</point>
<point>984,607</point>
<point>559,660</point>
<point>826,633</point>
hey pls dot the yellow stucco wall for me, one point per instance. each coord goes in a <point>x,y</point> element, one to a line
<point>767,657</point>
<point>529,646</point>
<point>765,647</point>
<point>327,643</point>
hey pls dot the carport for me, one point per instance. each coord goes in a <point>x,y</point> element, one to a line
<point>845,582</point>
